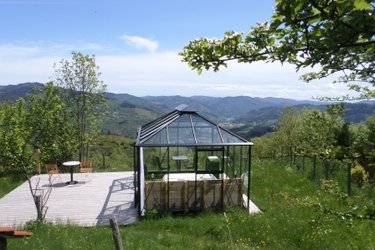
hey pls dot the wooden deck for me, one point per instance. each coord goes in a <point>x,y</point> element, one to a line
<point>91,202</point>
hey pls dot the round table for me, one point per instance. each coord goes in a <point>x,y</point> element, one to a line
<point>71,165</point>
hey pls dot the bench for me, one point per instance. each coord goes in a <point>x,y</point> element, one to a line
<point>10,232</point>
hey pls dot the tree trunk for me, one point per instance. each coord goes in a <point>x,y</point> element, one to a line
<point>39,208</point>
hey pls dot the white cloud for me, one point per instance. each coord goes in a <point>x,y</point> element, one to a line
<point>27,70</point>
<point>11,50</point>
<point>163,73</point>
<point>140,42</point>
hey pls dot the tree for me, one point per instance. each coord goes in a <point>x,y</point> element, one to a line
<point>53,132</point>
<point>84,95</point>
<point>34,131</point>
<point>344,141</point>
<point>370,124</point>
<point>319,133</point>
<point>336,36</point>
<point>16,149</point>
<point>289,131</point>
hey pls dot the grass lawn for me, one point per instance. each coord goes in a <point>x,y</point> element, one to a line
<point>297,214</point>
<point>8,182</point>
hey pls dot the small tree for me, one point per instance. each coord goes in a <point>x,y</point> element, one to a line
<point>84,95</point>
<point>16,148</point>
<point>289,131</point>
<point>34,131</point>
<point>50,120</point>
<point>319,132</point>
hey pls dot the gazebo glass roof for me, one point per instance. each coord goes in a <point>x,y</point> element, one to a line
<point>185,128</point>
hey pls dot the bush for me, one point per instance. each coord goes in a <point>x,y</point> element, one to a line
<point>359,175</point>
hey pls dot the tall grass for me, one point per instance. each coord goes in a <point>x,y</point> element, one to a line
<point>297,213</point>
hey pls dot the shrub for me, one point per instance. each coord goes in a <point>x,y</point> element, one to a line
<point>359,175</point>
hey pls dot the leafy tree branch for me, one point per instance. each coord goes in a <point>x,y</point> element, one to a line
<point>336,36</point>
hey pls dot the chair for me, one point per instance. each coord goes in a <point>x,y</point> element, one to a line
<point>86,167</point>
<point>52,169</point>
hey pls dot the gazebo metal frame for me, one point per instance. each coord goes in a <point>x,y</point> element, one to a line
<point>184,129</point>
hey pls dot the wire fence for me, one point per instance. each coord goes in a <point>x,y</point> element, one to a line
<point>322,169</point>
<point>319,169</point>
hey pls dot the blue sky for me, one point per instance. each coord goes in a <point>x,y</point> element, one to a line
<point>136,45</point>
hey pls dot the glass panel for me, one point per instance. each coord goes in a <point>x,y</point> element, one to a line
<point>156,162</point>
<point>240,159</point>
<point>159,138</point>
<point>205,132</point>
<point>229,162</point>
<point>180,131</point>
<point>210,162</point>
<point>181,159</point>
<point>229,138</point>
<point>148,159</point>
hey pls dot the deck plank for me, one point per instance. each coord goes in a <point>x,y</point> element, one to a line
<point>91,202</point>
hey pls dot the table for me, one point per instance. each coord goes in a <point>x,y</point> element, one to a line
<point>212,158</point>
<point>213,165</point>
<point>71,165</point>
<point>178,159</point>
<point>188,177</point>
<point>9,232</point>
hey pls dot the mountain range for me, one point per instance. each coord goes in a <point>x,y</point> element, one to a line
<point>241,113</point>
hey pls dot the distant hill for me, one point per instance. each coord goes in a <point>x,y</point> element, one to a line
<point>252,116</point>
<point>224,108</point>
<point>11,93</point>
<point>123,117</point>
<point>358,112</point>
<point>268,116</point>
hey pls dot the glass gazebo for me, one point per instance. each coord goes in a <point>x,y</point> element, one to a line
<point>184,163</point>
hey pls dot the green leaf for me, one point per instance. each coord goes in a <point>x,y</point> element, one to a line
<point>362,5</point>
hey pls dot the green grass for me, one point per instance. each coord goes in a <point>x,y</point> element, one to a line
<point>8,182</point>
<point>118,153</point>
<point>297,214</point>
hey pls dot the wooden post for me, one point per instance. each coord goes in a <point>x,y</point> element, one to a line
<point>314,168</point>
<point>116,233</point>
<point>327,165</point>
<point>3,243</point>
<point>350,178</point>
<point>303,163</point>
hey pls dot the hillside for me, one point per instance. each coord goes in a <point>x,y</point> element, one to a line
<point>246,115</point>
<point>11,93</point>
<point>124,117</point>
<point>224,108</point>
<point>356,113</point>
